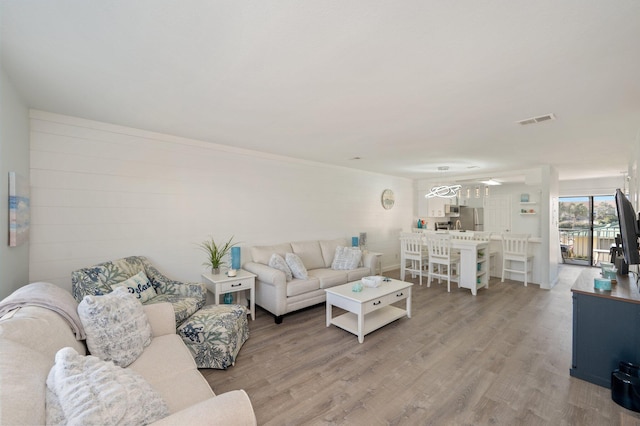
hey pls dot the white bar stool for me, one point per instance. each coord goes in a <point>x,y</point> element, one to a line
<point>515,248</point>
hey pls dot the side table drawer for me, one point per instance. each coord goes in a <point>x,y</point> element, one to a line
<point>236,285</point>
<point>386,300</point>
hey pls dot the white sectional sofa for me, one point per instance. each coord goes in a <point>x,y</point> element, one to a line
<point>279,296</point>
<point>31,336</point>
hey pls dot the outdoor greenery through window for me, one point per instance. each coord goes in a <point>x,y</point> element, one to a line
<point>588,227</point>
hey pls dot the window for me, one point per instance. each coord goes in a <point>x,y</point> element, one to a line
<point>588,226</point>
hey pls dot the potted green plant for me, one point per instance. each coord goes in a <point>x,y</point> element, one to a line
<point>215,253</point>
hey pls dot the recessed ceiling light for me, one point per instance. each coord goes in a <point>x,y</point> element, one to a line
<point>491,182</point>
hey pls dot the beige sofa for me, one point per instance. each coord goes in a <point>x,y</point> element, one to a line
<point>279,296</point>
<point>30,337</point>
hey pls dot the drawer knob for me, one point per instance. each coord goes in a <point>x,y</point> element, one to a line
<point>399,294</point>
<point>236,285</point>
<point>377,303</point>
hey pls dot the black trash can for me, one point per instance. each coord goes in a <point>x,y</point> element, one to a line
<point>625,386</point>
<point>629,368</point>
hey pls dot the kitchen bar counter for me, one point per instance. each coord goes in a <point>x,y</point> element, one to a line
<point>495,248</point>
<point>474,264</point>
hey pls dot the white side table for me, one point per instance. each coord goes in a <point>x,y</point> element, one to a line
<point>220,284</point>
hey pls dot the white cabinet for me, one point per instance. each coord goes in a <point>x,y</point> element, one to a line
<point>423,204</point>
<point>431,207</point>
<point>435,206</point>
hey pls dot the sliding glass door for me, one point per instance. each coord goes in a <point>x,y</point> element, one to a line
<point>588,226</point>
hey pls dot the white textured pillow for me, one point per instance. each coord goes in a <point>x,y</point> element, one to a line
<point>346,258</point>
<point>85,390</point>
<point>297,267</point>
<point>116,326</point>
<point>139,285</point>
<point>277,262</point>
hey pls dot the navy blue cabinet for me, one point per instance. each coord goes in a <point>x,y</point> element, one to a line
<point>605,332</point>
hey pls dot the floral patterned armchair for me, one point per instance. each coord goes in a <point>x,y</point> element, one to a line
<point>186,298</point>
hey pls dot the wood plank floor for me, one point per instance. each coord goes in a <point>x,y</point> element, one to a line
<point>500,358</point>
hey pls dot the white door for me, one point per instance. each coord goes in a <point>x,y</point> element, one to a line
<point>497,214</point>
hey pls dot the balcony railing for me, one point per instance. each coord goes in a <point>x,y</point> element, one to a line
<point>575,243</point>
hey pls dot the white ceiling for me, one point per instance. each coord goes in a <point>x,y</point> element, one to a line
<point>407,85</point>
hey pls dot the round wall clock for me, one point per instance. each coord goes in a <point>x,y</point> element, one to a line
<point>387,199</point>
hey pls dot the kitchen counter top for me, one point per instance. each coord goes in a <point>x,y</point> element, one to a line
<point>494,236</point>
<point>498,237</point>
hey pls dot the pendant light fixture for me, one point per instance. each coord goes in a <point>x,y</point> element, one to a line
<point>443,191</point>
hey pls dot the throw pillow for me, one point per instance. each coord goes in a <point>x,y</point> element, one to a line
<point>85,390</point>
<point>278,262</point>
<point>297,267</point>
<point>346,258</point>
<point>139,285</point>
<point>116,326</point>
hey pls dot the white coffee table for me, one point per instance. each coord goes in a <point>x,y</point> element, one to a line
<point>369,309</point>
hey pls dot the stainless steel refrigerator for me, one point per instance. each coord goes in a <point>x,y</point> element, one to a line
<point>472,218</point>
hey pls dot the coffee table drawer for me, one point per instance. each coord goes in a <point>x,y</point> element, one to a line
<point>383,301</point>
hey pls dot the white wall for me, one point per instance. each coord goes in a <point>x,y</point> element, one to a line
<point>101,192</point>
<point>14,156</point>
<point>549,226</point>
<point>521,224</point>
<point>598,186</point>
<point>633,183</point>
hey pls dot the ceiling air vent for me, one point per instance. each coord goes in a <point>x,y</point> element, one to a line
<point>539,119</point>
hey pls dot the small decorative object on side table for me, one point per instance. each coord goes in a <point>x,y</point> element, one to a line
<point>221,283</point>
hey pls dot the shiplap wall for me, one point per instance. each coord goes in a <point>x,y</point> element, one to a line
<point>14,157</point>
<point>101,191</point>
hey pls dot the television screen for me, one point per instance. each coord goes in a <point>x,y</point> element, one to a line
<point>628,228</point>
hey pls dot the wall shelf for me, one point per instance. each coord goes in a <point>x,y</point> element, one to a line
<point>524,211</point>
